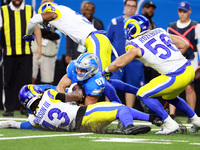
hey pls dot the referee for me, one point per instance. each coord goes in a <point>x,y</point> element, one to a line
<point>17,55</point>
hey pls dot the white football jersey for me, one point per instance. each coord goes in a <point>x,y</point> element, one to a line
<point>158,51</point>
<point>70,23</point>
<point>54,114</point>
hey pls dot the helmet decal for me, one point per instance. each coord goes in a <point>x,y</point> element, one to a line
<point>49,7</point>
<point>135,25</point>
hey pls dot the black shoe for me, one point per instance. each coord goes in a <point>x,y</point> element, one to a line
<point>120,127</point>
<point>156,120</point>
<point>133,130</point>
<point>24,111</point>
<point>8,114</point>
<point>173,117</point>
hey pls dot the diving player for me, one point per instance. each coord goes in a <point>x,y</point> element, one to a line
<point>74,25</point>
<point>156,48</point>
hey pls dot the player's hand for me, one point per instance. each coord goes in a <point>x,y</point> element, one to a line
<point>28,38</point>
<point>106,74</point>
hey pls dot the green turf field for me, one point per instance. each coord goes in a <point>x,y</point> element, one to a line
<point>17,139</point>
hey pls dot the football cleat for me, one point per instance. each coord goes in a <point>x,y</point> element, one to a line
<point>196,124</point>
<point>156,120</point>
<point>5,124</point>
<point>194,128</point>
<point>169,127</point>
<point>120,127</point>
<point>133,130</point>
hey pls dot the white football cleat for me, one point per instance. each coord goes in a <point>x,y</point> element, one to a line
<point>196,124</point>
<point>5,124</point>
<point>194,129</point>
<point>170,126</point>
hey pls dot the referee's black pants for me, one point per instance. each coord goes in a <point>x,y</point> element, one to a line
<point>17,71</point>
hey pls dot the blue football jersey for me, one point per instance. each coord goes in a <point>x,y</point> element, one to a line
<point>95,85</point>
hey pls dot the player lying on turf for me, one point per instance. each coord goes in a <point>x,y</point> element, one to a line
<point>159,50</point>
<point>49,111</point>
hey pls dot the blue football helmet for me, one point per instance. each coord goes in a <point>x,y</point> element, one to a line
<point>135,25</point>
<point>29,93</point>
<point>90,63</point>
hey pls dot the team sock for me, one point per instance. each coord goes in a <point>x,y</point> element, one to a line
<point>155,106</point>
<point>181,104</point>
<point>111,93</point>
<point>123,87</point>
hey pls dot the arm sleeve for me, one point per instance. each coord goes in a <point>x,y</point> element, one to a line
<point>61,96</point>
<point>37,19</point>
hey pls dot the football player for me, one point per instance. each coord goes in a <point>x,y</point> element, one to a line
<point>156,48</point>
<point>49,111</point>
<point>85,71</point>
<point>74,25</point>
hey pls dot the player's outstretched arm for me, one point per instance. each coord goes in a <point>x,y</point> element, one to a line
<point>39,19</point>
<point>180,43</point>
<point>123,60</point>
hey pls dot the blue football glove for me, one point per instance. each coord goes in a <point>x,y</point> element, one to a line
<point>106,74</point>
<point>28,38</point>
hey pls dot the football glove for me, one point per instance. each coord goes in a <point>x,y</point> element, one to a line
<point>106,74</point>
<point>28,38</point>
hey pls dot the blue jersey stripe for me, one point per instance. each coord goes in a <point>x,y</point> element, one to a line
<point>101,109</point>
<point>96,41</point>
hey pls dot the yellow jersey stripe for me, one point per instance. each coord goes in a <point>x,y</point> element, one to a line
<point>28,17</point>
<point>18,33</point>
<point>7,29</point>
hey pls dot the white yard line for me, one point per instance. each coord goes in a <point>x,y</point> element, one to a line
<point>12,118</point>
<point>43,136</point>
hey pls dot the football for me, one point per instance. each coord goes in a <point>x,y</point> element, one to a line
<point>197,74</point>
<point>77,87</point>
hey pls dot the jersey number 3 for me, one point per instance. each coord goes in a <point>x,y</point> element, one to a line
<point>59,117</point>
